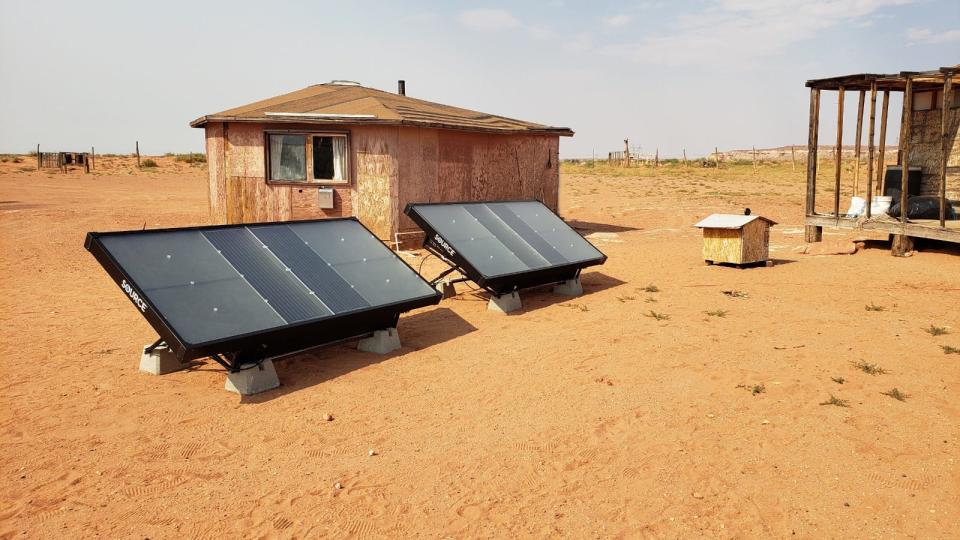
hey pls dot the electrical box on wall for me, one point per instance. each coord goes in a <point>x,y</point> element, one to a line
<point>325,198</point>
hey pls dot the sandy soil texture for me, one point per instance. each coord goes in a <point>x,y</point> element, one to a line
<point>672,399</point>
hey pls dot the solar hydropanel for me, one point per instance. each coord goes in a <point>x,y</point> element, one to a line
<point>261,289</point>
<point>505,246</point>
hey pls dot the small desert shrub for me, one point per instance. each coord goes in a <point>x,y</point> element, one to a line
<point>736,294</point>
<point>868,368</point>
<point>753,388</point>
<point>896,394</point>
<point>625,298</point>
<point>651,288</point>
<point>18,160</point>
<point>936,330</point>
<point>717,313</point>
<point>947,349</point>
<point>149,163</point>
<point>658,316</point>
<point>873,307</point>
<point>836,402</point>
<point>192,158</point>
<point>838,380</point>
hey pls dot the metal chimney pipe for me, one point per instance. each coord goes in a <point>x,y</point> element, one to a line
<point>402,87</point>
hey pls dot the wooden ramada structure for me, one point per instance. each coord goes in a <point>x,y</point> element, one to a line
<point>928,139</point>
<point>341,149</point>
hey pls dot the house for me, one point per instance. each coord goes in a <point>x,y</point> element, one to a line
<point>736,239</point>
<point>928,154</point>
<point>342,149</point>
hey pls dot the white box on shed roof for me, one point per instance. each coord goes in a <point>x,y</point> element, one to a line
<point>729,221</point>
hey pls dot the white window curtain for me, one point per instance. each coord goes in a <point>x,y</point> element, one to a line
<point>288,157</point>
<point>339,157</point>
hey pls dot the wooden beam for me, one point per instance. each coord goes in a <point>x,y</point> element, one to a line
<point>945,144</point>
<point>856,147</point>
<point>905,129</point>
<point>838,157</point>
<point>873,117</point>
<point>916,230</point>
<point>812,136</point>
<point>881,159</point>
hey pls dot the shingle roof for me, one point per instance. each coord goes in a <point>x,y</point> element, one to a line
<point>337,103</point>
<point>729,221</point>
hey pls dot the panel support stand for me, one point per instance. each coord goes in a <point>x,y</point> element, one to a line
<point>381,342</point>
<point>158,359</point>
<point>447,289</point>
<point>252,378</point>
<point>570,287</point>
<point>505,303</point>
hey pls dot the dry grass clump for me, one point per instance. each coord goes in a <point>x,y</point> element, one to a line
<point>896,394</point>
<point>936,330</point>
<point>149,163</point>
<point>873,307</point>
<point>753,388</point>
<point>947,349</point>
<point>658,316</point>
<point>868,368</point>
<point>835,401</point>
<point>717,313</point>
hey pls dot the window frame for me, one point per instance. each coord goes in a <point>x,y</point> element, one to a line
<point>308,162</point>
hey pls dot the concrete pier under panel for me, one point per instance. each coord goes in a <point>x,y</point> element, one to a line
<point>570,287</point>
<point>505,303</point>
<point>381,342</point>
<point>160,360</point>
<point>253,379</point>
<point>446,289</point>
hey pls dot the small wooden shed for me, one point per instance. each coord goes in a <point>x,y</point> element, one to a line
<point>341,149</point>
<point>736,239</point>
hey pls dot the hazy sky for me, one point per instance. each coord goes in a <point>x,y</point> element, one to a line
<point>686,74</point>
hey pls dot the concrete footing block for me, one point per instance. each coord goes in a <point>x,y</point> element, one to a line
<point>505,303</point>
<point>254,380</point>
<point>381,342</point>
<point>446,289</point>
<point>570,287</point>
<point>160,360</point>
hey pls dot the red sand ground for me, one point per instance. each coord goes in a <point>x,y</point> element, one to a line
<point>580,418</point>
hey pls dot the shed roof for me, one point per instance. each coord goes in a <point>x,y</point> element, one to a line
<point>890,81</point>
<point>339,103</point>
<point>729,221</point>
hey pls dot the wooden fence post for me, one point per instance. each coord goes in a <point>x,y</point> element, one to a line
<point>716,156</point>
<point>856,146</point>
<point>906,128</point>
<point>754,159</point>
<point>93,158</point>
<point>656,158</point>
<point>685,157</point>
<point>138,154</point>
<point>38,157</point>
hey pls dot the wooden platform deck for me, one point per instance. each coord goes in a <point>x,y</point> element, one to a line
<point>917,228</point>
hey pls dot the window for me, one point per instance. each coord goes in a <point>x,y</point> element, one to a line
<point>308,157</point>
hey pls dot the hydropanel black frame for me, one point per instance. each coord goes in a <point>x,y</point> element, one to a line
<point>253,347</point>
<point>502,283</point>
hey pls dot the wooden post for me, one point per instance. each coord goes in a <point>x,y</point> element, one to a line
<point>754,159</point>
<point>881,159</point>
<point>873,118</point>
<point>838,154</point>
<point>856,146</point>
<point>684,157</point>
<point>93,158</point>
<point>945,143</point>
<point>793,157</point>
<point>86,164</point>
<point>626,152</point>
<point>38,157</point>
<point>813,233</point>
<point>716,156</point>
<point>656,158</point>
<point>906,128</point>
<point>138,154</point>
